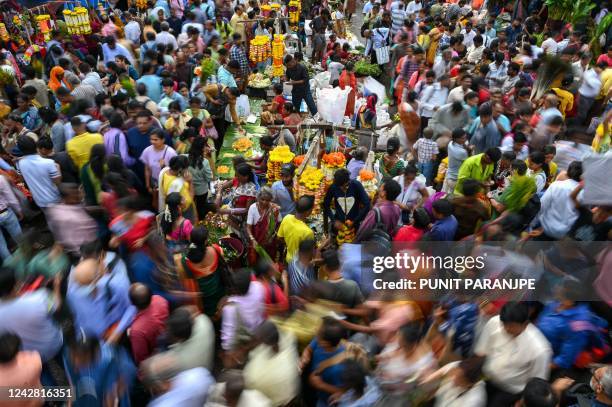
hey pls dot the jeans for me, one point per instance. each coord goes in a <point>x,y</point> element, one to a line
<point>584,107</point>
<point>10,223</point>
<point>427,170</point>
<point>296,100</point>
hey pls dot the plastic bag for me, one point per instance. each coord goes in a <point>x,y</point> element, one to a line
<point>597,170</point>
<point>372,86</point>
<point>321,80</point>
<point>331,104</point>
<point>243,109</point>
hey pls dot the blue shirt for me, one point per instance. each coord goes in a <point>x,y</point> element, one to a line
<point>154,88</point>
<point>332,375</point>
<point>96,311</point>
<point>444,229</point>
<point>283,198</point>
<point>38,173</point>
<point>567,331</point>
<point>353,204</point>
<point>225,77</point>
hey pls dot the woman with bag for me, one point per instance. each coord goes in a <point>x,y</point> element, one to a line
<point>202,175</point>
<point>263,219</point>
<point>347,78</point>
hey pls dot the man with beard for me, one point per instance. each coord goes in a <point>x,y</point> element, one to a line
<point>283,190</point>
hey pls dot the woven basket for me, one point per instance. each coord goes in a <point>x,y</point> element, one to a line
<point>319,194</point>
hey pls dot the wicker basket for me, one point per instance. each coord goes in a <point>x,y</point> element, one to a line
<point>319,194</point>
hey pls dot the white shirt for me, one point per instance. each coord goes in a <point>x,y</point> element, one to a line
<point>558,212</point>
<point>166,38</point>
<point>414,7</point>
<point>507,144</point>
<point>456,95</point>
<point>253,215</point>
<point>449,395</point>
<point>433,96</point>
<point>132,32</point>
<point>187,389</point>
<point>591,84</point>
<point>549,46</point>
<point>511,362</point>
<point>468,37</point>
<point>93,79</point>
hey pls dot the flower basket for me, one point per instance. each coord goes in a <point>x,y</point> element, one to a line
<point>312,182</point>
<point>278,157</point>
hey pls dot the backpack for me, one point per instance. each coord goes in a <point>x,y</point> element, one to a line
<point>379,231</point>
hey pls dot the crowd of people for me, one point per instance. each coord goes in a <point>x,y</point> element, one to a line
<point>114,284</point>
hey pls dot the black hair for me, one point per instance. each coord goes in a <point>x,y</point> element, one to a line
<point>443,207</point>
<point>514,312</point>
<point>179,324</point>
<point>304,204</point>
<point>538,393</point>
<point>421,218</point>
<point>8,281</point>
<point>519,166</point>
<point>48,115</point>
<point>458,133</point>
<point>331,260</point>
<point>392,188</point>
<point>574,170</point>
<point>470,187</point>
<point>168,82</point>
<point>242,281</point>
<point>538,157</point>
<point>173,203</point>
<point>354,377</point>
<point>493,153</point>
<point>117,182</point>
<point>263,266</point>
<point>341,177</point>
<point>178,163</point>
<point>97,160</point>
<point>332,331</point>
<point>410,170</point>
<point>26,145</point>
<point>508,156</point>
<point>246,171</point>
<point>199,242</point>
<point>520,137</point>
<point>307,246</point>
<point>196,151</point>
<point>45,142</point>
<point>485,110</point>
<point>10,344</point>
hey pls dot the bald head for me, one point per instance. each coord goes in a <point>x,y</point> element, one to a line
<point>140,295</point>
<point>85,272</point>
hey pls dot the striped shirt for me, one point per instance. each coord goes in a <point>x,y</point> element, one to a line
<point>299,275</point>
<point>398,15</point>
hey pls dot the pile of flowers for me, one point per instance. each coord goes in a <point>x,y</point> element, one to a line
<point>279,156</point>
<point>311,178</point>
<point>298,160</point>
<point>242,144</point>
<point>346,234</point>
<point>334,160</point>
<point>223,169</point>
<point>368,180</point>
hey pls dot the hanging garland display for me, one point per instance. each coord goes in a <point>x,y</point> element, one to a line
<point>4,35</point>
<point>260,49</point>
<point>77,21</point>
<point>44,25</point>
<point>278,52</point>
<point>295,7</point>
